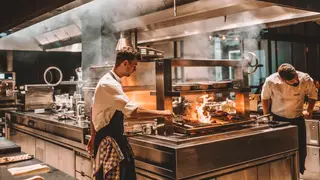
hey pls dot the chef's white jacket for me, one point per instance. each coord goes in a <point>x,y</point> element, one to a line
<point>287,101</point>
<point>108,98</point>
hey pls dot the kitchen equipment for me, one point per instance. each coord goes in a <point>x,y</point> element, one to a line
<point>80,113</point>
<point>197,128</point>
<point>37,97</point>
<point>221,84</point>
<point>52,76</point>
<point>254,101</point>
<point>148,53</point>
<point>95,74</point>
<point>166,89</point>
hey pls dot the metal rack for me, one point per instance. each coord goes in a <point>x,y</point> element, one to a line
<point>165,92</point>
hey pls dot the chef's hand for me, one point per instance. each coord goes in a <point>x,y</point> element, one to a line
<point>307,115</point>
<point>90,146</point>
<point>167,114</point>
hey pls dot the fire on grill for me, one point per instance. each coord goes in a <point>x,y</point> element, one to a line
<point>206,110</point>
<point>205,114</point>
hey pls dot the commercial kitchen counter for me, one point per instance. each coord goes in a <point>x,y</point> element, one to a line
<point>47,124</point>
<point>258,152</point>
<point>254,151</point>
<point>53,174</point>
<point>58,143</point>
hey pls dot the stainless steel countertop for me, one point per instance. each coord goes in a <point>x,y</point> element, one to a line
<point>53,119</point>
<point>177,141</point>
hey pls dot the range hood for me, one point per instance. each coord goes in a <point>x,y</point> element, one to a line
<point>65,38</point>
<point>206,16</point>
<point>58,38</point>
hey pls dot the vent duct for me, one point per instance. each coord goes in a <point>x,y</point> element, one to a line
<point>59,37</point>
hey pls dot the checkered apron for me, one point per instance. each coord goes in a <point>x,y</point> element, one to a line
<point>109,157</point>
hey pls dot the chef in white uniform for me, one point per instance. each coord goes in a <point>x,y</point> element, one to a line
<point>110,106</point>
<point>285,92</point>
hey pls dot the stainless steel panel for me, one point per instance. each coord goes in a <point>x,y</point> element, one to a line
<point>147,175</point>
<point>157,159</point>
<point>40,149</point>
<point>66,161</point>
<point>203,156</point>
<point>60,158</point>
<point>83,165</point>
<point>312,132</point>
<point>28,144</point>
<point>264,172</point>
<point>247,174</point>
<point>313,159</point>
<point>81,176</point>
<point>51,154</point>
<point>49,137</point>
<point>281,170</point>
<point>38,97</point>
<point>205,62</point>
<point>70,129</point>
<point>208,156</point>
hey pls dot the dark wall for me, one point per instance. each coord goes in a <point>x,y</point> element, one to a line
<point>30,66</point>
<point>3,61</point>
<point>296,44</point>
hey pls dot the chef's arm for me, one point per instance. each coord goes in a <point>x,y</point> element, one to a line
<point>92,130</point>
<point>266,106</point>
<point>141,113</point>
<point>311,103</point>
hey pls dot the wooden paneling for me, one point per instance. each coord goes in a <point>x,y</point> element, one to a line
<point>298,29</point>
<point>292,46</point>
<point>284,30</point>
<point>312,29</point>
<point>284,52</point>
<point>313,61</point>
<point>274,64</point>
<point>299,57</point>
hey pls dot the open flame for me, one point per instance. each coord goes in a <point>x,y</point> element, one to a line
<point>198,112</point>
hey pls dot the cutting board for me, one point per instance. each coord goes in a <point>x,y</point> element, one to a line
<point>7,146</point>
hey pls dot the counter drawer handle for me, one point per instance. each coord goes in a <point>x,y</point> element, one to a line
<point>313,127</point>
<point>82,174</point>
<point>315,154</point>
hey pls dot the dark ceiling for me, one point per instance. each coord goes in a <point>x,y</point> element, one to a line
<point>15,12</point>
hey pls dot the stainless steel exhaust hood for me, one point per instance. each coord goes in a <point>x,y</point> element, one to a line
<point>212,15</point>
<point>61,37</point>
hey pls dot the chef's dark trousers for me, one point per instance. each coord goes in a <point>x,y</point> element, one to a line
<point>302,136</point>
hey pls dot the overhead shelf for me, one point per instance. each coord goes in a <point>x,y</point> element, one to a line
<point>190,92</point>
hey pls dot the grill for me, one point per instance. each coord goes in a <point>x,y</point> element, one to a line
<point>197,128</point>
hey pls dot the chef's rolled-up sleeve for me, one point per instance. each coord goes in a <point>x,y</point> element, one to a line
<point>119,100</point>
<point>129,108</point>
<point>311,90</point>
<point>266,91</point>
